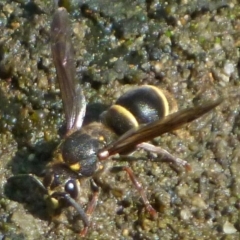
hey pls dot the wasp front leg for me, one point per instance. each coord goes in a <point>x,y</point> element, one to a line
<point>91,206</point>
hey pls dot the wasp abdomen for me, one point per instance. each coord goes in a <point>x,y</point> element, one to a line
<point>142,105</point>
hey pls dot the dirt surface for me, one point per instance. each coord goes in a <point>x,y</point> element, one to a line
<point>190,48</point>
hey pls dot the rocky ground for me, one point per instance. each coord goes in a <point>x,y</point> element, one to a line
<point>190,48</point>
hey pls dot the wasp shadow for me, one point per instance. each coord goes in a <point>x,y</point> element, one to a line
<point>28,167</point>
<point>26,190</point>
<point>28,158</point>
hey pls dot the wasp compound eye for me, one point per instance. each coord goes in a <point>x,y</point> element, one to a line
<point>72,188</point>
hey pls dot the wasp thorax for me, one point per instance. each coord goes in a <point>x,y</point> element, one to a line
<point>79,152</point>
<point>142,105</point>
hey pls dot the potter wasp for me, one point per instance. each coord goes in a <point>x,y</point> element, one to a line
<point>137,117</point>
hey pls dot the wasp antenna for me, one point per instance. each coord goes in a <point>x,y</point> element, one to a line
<point>78,208</point>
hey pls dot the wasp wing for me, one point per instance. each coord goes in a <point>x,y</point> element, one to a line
<point>63,57</point>
<point>145,133</point>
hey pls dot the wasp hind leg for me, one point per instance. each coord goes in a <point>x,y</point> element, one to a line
<point>139,188</point>
<point>164,155</point>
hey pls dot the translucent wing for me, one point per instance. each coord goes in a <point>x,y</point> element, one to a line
<point>145,133</point>
<point>63,57</point>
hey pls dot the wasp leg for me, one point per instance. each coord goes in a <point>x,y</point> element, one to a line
<point>91,206</point>
<point>165,155</point>
<point>80,211</point>
<point>139,188</point>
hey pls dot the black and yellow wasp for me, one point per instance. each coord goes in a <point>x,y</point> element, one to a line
<point>138,116</point>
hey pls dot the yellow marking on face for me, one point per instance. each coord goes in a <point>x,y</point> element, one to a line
<point>100,167</point>
<point>101,138</point>
<point>54,203</point>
